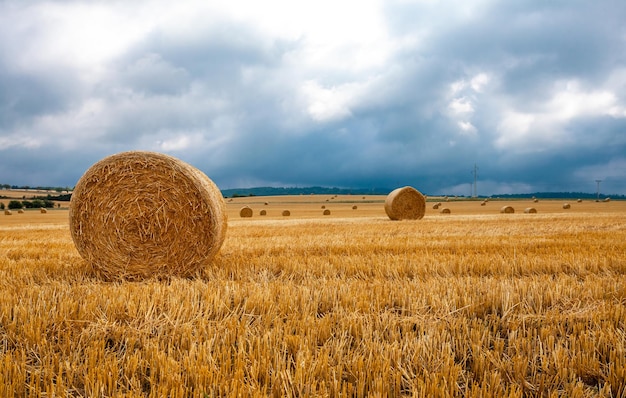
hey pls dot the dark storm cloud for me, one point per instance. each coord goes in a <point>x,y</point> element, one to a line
<point>413,93</point>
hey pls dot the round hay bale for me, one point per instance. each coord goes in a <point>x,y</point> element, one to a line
<point>245,212</point>
<point>327,212</point>
<point>262,213</point>
<point>406,203</point>
<point>530,210</point>
<point>507,210</point>
<point>137,214</point>
<point>607,199</point>
<point>43,210</point>
<point>535,200</point>
<point>20,211</point>
<point>436,206</point>
<point>266,203</point>
<point>354,207</point>
<point>8,212</point>
<point>579,200</point>
<point>566,206</point>
<point>286,213</point>
<point>323,207</point>
<point>483,203</point>
<point>445,210</point>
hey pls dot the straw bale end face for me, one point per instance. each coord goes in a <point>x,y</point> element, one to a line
<point>137,214</point>
<point>406,203</point>
<point>245,212</point>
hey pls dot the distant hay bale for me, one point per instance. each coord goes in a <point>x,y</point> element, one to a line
<point>607,199</point>
<point>566,205</point>
<point>43,210</point>
<point>262,213</point>
<point>20,211</point>
<point>579,200</point>
<point>406,203</point>
<point>363,197</point>
<point>140,214</point>
<point>354,207</point>
<point>445,210</point>
<point>483,203</point>
<point>266,203</point>
<point>436,206</point>
<point>323,207</point>
<point>286,213</point>
<point>7,212</point>
<point>507,209</point>
<point>535,200</point>
<point>327,212</point>
<point>245,212</point>
<point>530,210</point>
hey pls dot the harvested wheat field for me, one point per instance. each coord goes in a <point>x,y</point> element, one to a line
<point>471,304</point>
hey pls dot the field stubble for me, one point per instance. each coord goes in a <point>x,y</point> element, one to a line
<point>352,305</point>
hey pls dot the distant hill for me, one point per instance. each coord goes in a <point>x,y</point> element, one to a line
<point>273,191</point>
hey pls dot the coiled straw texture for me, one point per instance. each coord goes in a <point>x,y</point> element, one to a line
<point>137,214</point>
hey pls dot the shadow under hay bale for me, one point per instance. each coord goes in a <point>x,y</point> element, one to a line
<point>137,214</point>
<point>530,210</point>
<point>406,203</point>
<point>507,210</point>
<point>245,212</point>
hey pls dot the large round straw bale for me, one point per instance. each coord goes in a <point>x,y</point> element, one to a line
<point>140,214</point>
<point>406,203</point>
<point>507,209</point>
<point>530,210</point>
<point>566,205</point>
<point>286,213</point>
<point>8,212</point>
<point>262,213</point>
<point>326,212</point>
<point>43,210</point>
<point>245,212</point>
<point>445,210</point>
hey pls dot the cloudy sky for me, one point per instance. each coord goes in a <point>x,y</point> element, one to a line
<point>367,93</point>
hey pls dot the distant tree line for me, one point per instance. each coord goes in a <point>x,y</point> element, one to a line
<point>26,187</point>
<point>28,204</point>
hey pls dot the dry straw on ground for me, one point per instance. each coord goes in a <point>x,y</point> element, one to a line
<point>507,209</point>
<point>245,212</point>
<point>140,214</point>
<point>406,203</point>
<point>529,210</point>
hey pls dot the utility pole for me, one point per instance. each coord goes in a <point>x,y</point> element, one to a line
<point>598,190</point>
<point>475,172</point>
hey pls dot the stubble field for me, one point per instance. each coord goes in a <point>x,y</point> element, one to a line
<point>472,303</point>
